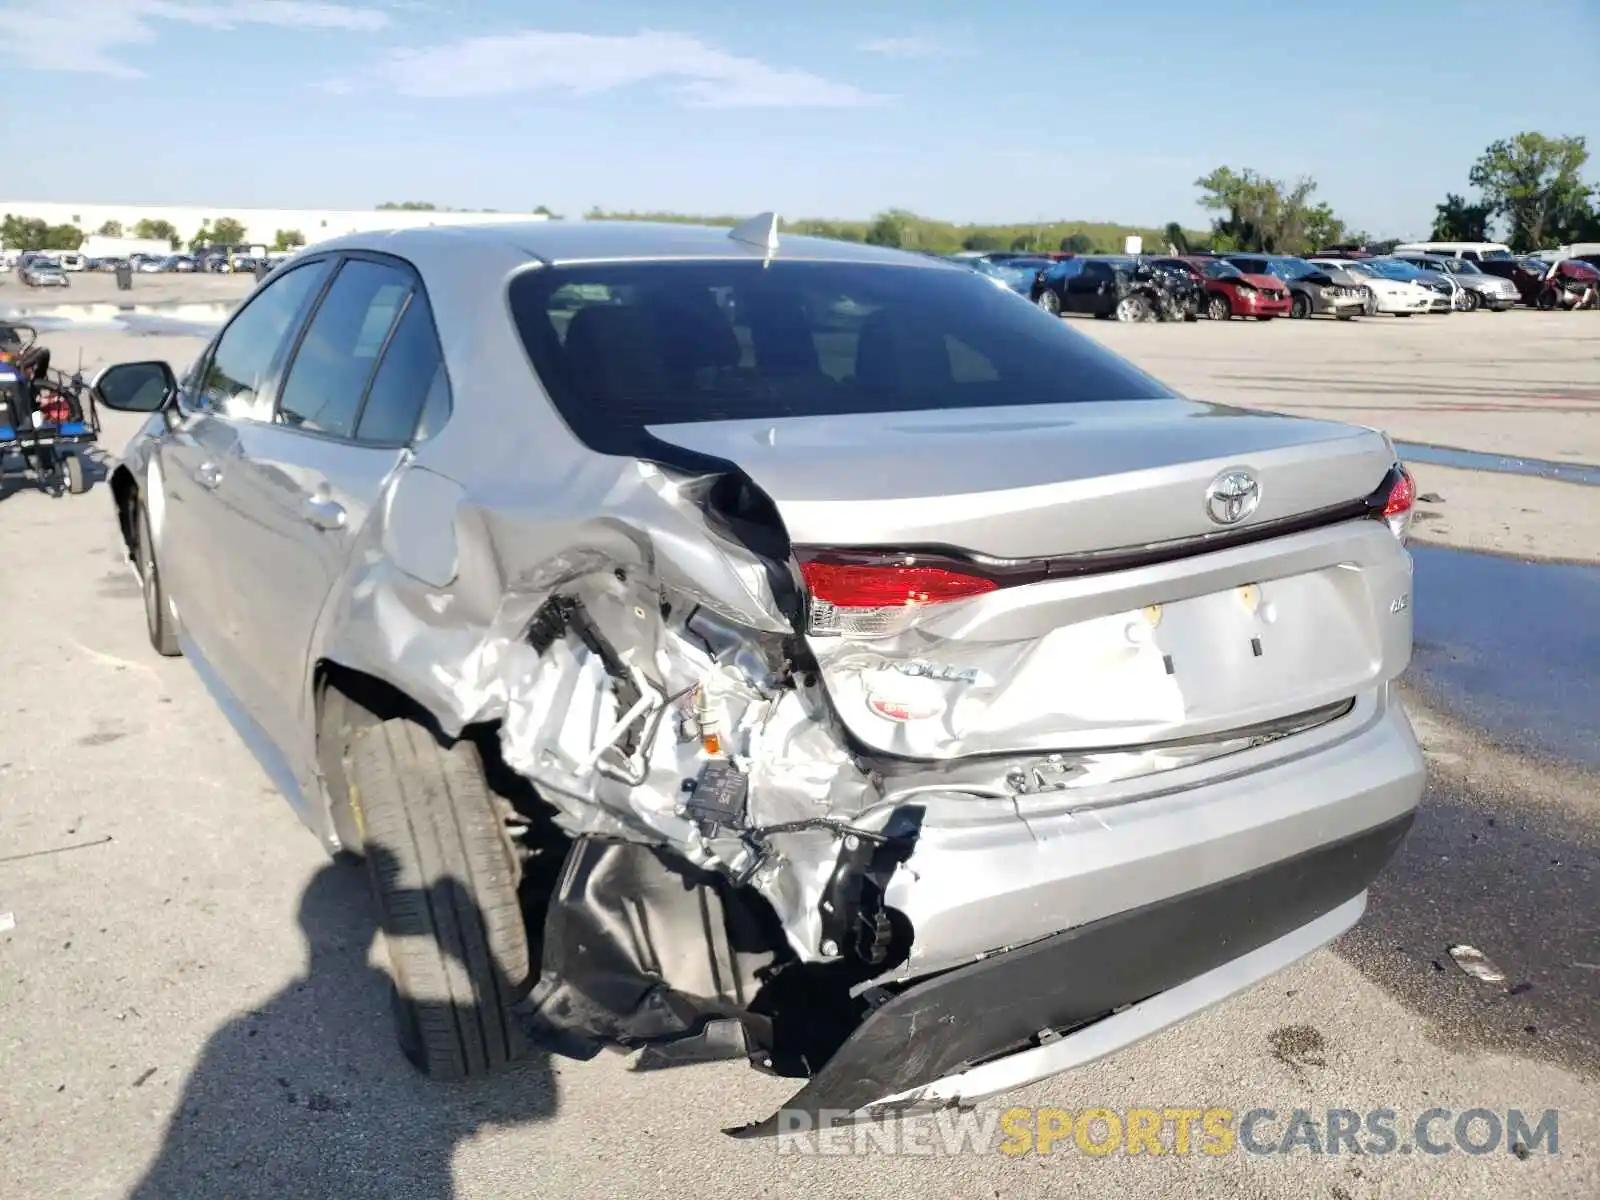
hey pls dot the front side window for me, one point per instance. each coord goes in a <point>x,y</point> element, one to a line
<point>245,353</point>
<point>621,347</point>
<point>325,384</point>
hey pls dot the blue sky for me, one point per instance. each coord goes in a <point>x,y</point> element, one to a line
<point>1023,111</point>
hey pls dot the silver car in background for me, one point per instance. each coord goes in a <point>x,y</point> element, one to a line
<point>787,650</point>
<point>1478,289</point>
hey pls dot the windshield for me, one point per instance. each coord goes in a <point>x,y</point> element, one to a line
<point>1393,268</point>
<point>622,346</point>
<point>1217,269</point>
<point>1496,254</point>
<point>1286,267</point>
<point>1357,268</point>
<point>1462,266</point>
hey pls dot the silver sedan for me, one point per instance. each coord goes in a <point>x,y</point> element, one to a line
<point>777,648</point>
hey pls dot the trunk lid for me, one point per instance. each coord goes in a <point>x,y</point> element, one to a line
<point>1087,651</point>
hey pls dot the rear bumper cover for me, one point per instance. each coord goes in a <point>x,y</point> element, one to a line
<point>976,1030</point>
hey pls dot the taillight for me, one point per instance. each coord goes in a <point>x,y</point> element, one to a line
<point>1395,501</point>
<point>882,596</point>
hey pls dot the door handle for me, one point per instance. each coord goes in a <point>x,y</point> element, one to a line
<point>324,513</point>
<point>208,475</point>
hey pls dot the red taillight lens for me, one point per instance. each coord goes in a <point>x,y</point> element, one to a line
<point>849,585</point>
<point>881,598</point>
<point>1399,502</point>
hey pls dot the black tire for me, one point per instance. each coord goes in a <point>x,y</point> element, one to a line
<point>77,479</point>
<point>1133,308</point>
<point>1472,301</point>
<point>1406,315</point>
<point>158,622</point>
<point>1218,308</point>
<point>1049,302</point>
<point>1267,318</point>
<point>445,878</point>
<point>1300,306</point>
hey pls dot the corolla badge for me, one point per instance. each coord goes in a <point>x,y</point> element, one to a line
<point>1232,496</point>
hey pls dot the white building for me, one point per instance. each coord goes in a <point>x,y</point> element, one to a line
<point>261,224</point>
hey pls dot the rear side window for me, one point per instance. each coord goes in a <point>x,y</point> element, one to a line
<point>621,347</point>
<point>325,385</point>
<point>412,368</point>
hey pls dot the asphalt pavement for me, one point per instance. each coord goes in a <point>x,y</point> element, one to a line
<point>192,1001</point>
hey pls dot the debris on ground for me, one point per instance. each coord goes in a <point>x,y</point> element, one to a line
<point>1477,964</point>
<point>1430,498</point>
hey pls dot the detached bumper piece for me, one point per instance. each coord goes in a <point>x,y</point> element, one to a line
<point>1020,998</point>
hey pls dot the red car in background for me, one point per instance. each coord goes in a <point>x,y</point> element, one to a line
<point>1232,293</point>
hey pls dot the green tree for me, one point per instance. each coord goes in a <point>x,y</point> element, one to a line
<point>1176,238</point>
<point>202,237</point>
<point>1078,243</point>
<point>23,233</point>
<point>889,229</point>
<point>288,239</point>
<point>229,232</point>
<point>1457,221</point>
<point>407,206</point>
<point>984,241</point>
<point>1263,214</point>
<point>63,237</point>
<point>110,229</point>
<point>1534,182</point>
<point>146,228</point>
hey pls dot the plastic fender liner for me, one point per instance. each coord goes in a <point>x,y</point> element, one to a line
<point>945,1024</point>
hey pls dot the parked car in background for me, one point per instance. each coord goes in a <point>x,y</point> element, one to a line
<point>72,262</point>
<point>1570,283</point>
<point>1443,287</point>
<point>42,272</point>
<point>1478,289</point>
<point>1394,297</point>
<point>1018,274</point>
<point>1027,707</point>
<point>1312,289</point>
<point>1229,292</point>
<point>177,262</point>
<point>1115,287</point>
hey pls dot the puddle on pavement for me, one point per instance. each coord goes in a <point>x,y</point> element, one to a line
<point>198,319</point>
<point>1503,464</point>
<point>1512,648</point>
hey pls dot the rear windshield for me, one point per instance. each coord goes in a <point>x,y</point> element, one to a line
<point>621,346</point>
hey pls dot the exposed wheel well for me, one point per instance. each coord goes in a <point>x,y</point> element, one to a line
<point>124,492</point>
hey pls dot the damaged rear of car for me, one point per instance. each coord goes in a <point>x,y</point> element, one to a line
<point>816,655</point>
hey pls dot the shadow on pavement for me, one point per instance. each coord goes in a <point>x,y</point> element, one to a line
<point>308,1094</point>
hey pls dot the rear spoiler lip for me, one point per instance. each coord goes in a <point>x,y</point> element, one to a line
<point>1012,572</point>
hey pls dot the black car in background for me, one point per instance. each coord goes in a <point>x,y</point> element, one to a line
<point>1312,289</point>
<point>1117,287</point>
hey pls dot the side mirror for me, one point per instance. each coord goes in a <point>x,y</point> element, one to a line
<point>139,387</point>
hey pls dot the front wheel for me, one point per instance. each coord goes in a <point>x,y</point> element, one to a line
<point>1469,301</point>
<point>1218,308</point>
<point>1133,308</point>
<point>1049,302</point>
<point>1300,307</point>
<point>77,479</point>
<point>159,622</point>
<point>445,876</point>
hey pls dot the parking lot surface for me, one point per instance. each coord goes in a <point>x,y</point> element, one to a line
<point>192,1003</point>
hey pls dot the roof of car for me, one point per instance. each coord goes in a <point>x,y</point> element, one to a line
<point>599,241</point>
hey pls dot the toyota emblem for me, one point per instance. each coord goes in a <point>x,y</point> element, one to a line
<point>1232,496</point>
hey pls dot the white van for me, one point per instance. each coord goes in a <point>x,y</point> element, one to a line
<point>72,262</point>
<point>1473,251</point>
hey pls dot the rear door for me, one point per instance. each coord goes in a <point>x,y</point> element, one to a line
<point>1086,291</point>
<point>346,411</point>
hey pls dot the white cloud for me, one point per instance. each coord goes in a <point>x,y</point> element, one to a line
<point>584,64</point>
<point>904,47</point>
<point>83,34</point>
